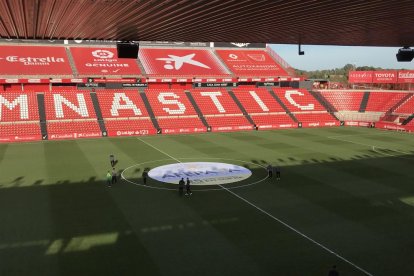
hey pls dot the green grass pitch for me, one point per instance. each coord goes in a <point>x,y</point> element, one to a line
<point>346,197</point>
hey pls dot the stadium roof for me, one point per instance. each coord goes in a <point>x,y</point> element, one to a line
<point>325,22</point>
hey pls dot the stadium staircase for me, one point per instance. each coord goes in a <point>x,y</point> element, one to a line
<point>149,109</point>
<point>98,113</point>
<point>408,120</point>
<point>400,103</point>
<point>196,107</point>
<point>71,62</point>
<point>327,105</point>
<point>223,62</point>
<point>140,66</point>
<point>282,104</point>
<point>364,102</point>
<point>42,115</point>
<point>240,106</point>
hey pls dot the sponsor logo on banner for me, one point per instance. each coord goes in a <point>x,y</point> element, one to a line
<point>37,61</point>
<point>75,135</point>
<point>406,76</point>
<point>385,77</point>
<point>360,76</point>
<point>102,54</point>
<point>257,57</point>
<point>239,45</point>
<point>200,173</point>
<point>129,132</point>
<point>176,62</point>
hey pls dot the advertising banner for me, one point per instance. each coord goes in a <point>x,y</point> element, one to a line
<point>131,132</point>
<point>320,124</point>
<point>239,45</point>
<point>20,138</point>
<point>90,42</point>
<point>220,84</point>
<point>77,135</point>
<point>31,41</point>
<point>231,128</point>
<point>34,60</point>
<point>170,44</point>
<point>181,62</point>
<point>251,63</point>
<point>103,61</point>
<point>276,126</point>
<point>183,130</point>
<point>406,76</point>
<point>360,76</point>
<point>384,77</point>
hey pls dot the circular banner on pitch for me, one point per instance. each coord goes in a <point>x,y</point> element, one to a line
<point>200,173</point>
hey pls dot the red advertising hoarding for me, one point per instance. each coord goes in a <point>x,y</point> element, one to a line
<point>20,138</point>
<point>251,63</point>
<point>406,76</point>
<point>131,132</point>
<point>384,77</point>
<point>360,76</point>
<point>103,61</point>
<point>34,60</point>
<point>184,62</point>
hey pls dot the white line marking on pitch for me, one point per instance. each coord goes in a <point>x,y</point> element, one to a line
<point>374,148</point>
<point>275,218</point>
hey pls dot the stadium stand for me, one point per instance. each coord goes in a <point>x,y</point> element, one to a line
<point>344,101</point>
<point>219,109</point>
<point>298,100</point>
<point>70,114</point>
<point>307,109</point>
<point>173,111</point>
<point>264,110</point>
<point>19,117</point>
<point>251,63</point>
<point>124,113</point>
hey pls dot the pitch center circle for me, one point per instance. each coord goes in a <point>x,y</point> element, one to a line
<point>200,173</point>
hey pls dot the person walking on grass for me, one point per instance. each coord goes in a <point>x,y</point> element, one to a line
<point>181,184</point>
<point>144,176</point>
<point>188,187</point>
<point>114,180</point>
<point>109,179</point>
<point>112,160</point>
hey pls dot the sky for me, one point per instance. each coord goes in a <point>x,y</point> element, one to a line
<point>331,57</point>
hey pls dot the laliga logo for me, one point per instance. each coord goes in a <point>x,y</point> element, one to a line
<point>102,54</point>
<point>233,56</point>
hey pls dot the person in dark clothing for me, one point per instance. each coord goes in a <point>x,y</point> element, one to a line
<point>181,184</point>
<point>333,271</point>
<point>112,160</point>
<point>144,176</point>
<point>114,179</point>
<point>269,171</point>
<point>188,187</point>
<point>277,171</point>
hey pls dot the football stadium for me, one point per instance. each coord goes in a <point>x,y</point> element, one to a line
<point>129,148</point>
